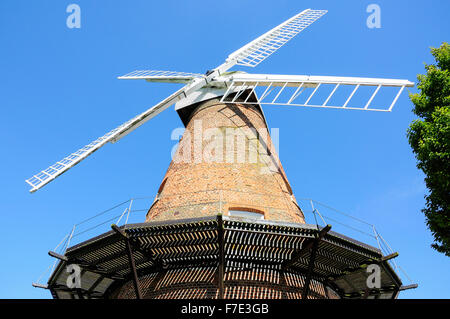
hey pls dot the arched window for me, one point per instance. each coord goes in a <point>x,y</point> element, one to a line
<point>243,212</point>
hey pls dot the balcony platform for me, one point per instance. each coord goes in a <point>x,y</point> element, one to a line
<point>224,244</point>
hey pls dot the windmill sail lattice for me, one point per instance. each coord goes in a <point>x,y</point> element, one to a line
<point>259,49</point>
<point>244,85</point>
<point>160,76</point>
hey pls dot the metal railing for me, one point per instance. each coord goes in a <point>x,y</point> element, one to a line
<point>342,222</point>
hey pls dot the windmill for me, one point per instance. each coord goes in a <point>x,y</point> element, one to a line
<point>224,229</point>
<point>232,85</point>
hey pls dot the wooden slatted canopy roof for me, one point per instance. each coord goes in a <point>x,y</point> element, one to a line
<point>338,261</point>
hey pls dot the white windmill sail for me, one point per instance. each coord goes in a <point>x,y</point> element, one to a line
<point>161,76</point>
<point>259,49</point>
<point>246,84</point>
<point>46,176</point>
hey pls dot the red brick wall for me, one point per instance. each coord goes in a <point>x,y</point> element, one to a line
<point>195,187</point>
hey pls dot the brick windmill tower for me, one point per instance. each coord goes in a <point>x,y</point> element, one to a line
<point>225,222</point>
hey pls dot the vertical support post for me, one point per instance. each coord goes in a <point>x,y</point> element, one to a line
<point>137,288</point>
<point>129,250</point>
<point>310,269</point>
<point>221,264</point>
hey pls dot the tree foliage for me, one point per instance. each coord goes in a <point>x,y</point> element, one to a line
<point>429,138</point>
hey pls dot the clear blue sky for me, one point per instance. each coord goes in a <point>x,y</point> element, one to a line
<point>59,92</point>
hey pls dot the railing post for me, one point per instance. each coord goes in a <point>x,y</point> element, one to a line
<point>129,210</point>
<point>70,237</point>
<point>377,238</point>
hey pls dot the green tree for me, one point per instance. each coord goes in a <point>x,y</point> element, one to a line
<point>429,138</point>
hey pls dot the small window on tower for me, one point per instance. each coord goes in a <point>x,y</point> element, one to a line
<point>246,213</point>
